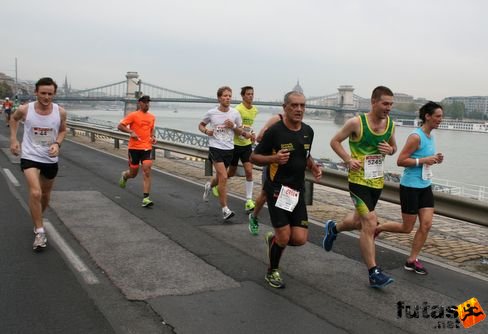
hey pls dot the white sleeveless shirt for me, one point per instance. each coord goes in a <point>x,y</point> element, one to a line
<point>40,131</point>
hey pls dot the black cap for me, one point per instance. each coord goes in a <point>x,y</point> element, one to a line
<point>144,98</point>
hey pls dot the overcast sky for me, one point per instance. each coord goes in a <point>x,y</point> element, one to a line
<point>425,48</point>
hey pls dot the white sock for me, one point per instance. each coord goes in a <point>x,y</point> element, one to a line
<point>225,208</point>
<point>40,230</point>
<point>249,187</point>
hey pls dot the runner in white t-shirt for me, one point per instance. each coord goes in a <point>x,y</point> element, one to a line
<point>221,124</point>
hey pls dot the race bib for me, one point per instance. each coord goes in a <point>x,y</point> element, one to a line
<point>222,133</point>
<point>287,199</point>
<point>373,166</point>
<point>42,136</point>
<point>246,128</point>
<point>426,172</point>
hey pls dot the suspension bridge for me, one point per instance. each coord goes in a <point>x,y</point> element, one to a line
<point>344,101</point>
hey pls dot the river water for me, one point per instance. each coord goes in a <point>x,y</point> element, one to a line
<point>465,153</point>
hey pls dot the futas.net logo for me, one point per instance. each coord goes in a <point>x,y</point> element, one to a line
<point>465,315</point>
<point>470,313</point>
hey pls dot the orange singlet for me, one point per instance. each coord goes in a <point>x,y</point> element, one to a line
<point>142,123</point>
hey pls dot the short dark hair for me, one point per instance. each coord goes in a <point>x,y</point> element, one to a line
<point>245,89</point>
<point>46,81</point>
<point>380,91</point>
<point>145,99</point>
<point>222,89</point>
<point>428,108</point>
<point>286,99</point>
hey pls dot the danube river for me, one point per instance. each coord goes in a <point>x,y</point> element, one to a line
<point>465,154</point>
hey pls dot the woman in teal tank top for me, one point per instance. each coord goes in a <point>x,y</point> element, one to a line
<point>418,157</point>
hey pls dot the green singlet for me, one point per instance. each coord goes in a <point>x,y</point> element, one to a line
<point>365,149</point>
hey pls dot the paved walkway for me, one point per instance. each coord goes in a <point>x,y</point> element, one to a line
<point>451,241</point>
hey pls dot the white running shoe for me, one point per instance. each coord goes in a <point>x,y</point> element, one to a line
<point>40,241</point>
<point>206,191</point>
<point>227,213</point>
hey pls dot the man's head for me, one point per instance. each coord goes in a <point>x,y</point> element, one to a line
<point>46,82</point>
<point>145,99</point>
<point>381,101</point>
<point>144,102</point>
<point>224,94</point>
<point>45,90</point>
<point>247,94</point>
<point>294,106</point>
<point>6,99</point>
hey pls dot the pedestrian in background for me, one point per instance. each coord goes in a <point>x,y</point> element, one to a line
<point>7,109</point>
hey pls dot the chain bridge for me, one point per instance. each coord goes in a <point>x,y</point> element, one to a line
<point>128,91</point>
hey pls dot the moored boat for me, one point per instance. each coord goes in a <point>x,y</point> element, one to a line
<point>448,125</point>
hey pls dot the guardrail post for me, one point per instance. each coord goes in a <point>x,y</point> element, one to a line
<point>92,137</point>
<point>308,192</point>
<point>240,170</point>
<point>208,168</point>
<point>116,143</point>
<point>153,153</point>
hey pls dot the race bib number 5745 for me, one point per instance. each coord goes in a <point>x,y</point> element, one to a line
<point>373,166</point>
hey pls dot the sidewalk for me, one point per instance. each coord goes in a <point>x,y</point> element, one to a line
<point>456,243</point>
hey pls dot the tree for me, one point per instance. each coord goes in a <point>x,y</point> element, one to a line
<point>5,90</point>
<point>454,110</point>
<point>476,114</point>
<point>407,107</point>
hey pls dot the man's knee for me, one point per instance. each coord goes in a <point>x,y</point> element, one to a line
<point>36,194</point>
<point>368,221</point>
<point>282,239</point>
<point>146,168</point>
<point>297,240</point>
<point>222,178</point>
<point>232,171</point>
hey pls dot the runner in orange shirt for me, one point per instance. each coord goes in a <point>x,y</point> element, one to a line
<point>7,107</point>
<point>140,125</point>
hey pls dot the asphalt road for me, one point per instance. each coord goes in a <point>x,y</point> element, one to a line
<point>176,267</point>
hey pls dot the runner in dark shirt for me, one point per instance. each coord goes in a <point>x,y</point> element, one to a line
<point>286,149</point>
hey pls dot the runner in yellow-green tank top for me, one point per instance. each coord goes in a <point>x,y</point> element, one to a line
<point>365,149</point>
<point>243,146</point>
<point>371,137</point>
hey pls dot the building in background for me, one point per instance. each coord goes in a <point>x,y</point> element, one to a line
<point>472,104</point>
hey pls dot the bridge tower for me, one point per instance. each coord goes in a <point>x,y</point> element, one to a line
<point>345,98</point>
<point>133,91</point>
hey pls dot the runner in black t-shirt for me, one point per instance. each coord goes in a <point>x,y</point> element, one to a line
<point>286,149</point>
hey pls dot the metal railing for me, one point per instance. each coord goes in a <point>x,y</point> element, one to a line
<point>466,209</point>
